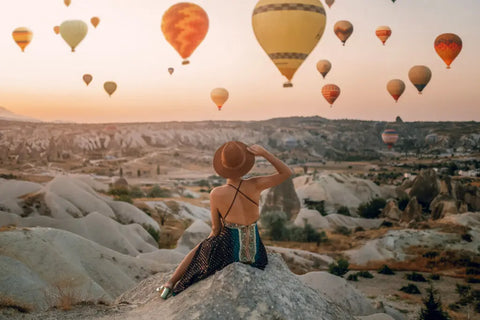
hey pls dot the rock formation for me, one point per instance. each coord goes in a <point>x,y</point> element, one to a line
<point>413,211</point>
<point>391,211</point>
<point>282,198</point>
<point>426,187</point>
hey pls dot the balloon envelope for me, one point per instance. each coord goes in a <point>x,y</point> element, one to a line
<point>288,30</point>
<point>185,25</point>
<point>22,37</point>
<point>67,2</point>
<point>390,137</point>
<point>87,78</point>
<point>383,33</point>
<point>56,29</point>
<point>420,76</point>
<point>219,97</point>
<point>170,70</point>
<point>73,32</point>
<point>329,2</point>
<point>110,87</point>
<point>396,87</point>
<point>330,92</point>
<point>95,21</point>
<point>324,66</point>
<point>343,29</point>
<point>448,46</point>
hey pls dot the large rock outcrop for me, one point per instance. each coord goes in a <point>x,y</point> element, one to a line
<point>413,211</point>
<point>282,198</point>
<point>391,211</point>
<point>426,187</point>
<point>443,205</point>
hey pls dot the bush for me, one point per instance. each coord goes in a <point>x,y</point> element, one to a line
<point>435,277</point>
<point>275,223</point>
<point>417,277</point>
<point>403,202</point>
<point>119,192</point>
<point>472,280</point>
<point>342,230</point>
<point>203,183</point>
<point>365,274</point>
<point>157,192</point>
<point>358,229</point>
<point>371,209</point>
<point>386,224</point>
<point>344,210</point>
<point>467,237</point>
<point>316,205</point>
<point>151,230</point>
<point>352,277</point>
<point>433,307</point>
<point>385,270</point>
<point>124,198</point>
<point>410,289</point>
<point>136,192</point>
<point>339,268</point>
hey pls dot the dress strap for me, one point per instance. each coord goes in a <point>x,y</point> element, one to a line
<point>238,190</point>
<point>235,197</point>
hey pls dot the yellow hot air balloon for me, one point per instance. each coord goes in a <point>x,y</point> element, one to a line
<point>343,29</point>
<point>110,87</point>
<point>383,33</point>
<point>330,92</point>
<point>67,2</point>
<point>22,37</point>
<point>87,78</point>
<point>329,3</point>
<point>396,87</point>
<point>95,21</point>
<point>420,76</point>
<point>73,32</point>
<point>170,70</point>
<point>324,66</point>
<point>219,96</point>
<point>288,30</point>
<point>56,29</point>
<point>185,25</point>
<point>448,46</point>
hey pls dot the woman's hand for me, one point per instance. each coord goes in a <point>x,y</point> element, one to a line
<point>257,150</point>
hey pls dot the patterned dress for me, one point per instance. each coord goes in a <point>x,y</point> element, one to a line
<point>234,243</point>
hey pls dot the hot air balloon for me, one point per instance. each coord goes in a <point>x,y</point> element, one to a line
<point>288,30</point>
<point>22,37</point>
<point>448,46</point>
<point>383,33</point>
<point>67,2</point>
<point>219,96</point>
<point>110,87</point>
<point>95,21</point>
<point>87,78</point>
<point>324,66</point>
<point>170,70</point>
<point>329,3</point>
<point>185,25</point>
<point>390,137</point>
<point>420,76</point>
<point>396,87</point>
<point>343,29</point>
<point>56,29</point>
<point>330,92</point>
<point>73,32</point>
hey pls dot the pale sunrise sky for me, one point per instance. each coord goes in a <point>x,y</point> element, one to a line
<point>128,47</point>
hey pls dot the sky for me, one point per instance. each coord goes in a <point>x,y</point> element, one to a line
<point>128,47</point>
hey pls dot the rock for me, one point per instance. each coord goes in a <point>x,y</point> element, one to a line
<point>301,261</point>
<point>238,291</point>
<point>333,221</point>
<point>426,187</point>
<point>12,190</point>
<point>376,316</point>
<point>340,291</point>
<point>120,183</point>
<point>181,210</point>
<point>443,205</point>
<point>164,256</point>
<point>470,195</point>
<point>192,236</point>
<point>413,211</point>
<point>282,198</point>
<point>391,211</point>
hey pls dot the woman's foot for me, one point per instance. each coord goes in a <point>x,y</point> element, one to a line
<point>165,290</point>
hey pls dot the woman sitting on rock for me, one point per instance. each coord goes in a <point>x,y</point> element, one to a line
<point>234,208</point>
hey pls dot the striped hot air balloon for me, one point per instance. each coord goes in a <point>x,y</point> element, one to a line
<point>343,29</point>
<point>383,33</point>
<point>288,30</point>
<point>330,92</point>
<point>22,37</point>
<point>448,46</point>
<point>390,137</point>
<point>184,26</point>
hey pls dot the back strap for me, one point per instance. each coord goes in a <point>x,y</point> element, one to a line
<point>238,190</point>
<point>235,197</point>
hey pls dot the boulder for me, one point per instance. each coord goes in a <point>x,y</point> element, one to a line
<point>470,195</point>
<point>391,211</point>
<point>426,187</point>
<point>333,221</point>
<point>413,211</point>
<point>192,236</point>
<point>443,205</point>
<point>282,198</point>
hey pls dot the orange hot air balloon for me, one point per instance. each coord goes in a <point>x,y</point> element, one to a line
<point>330,92</point>
<point>396,87</point>
<point>448,46</point>
<point>87,78</point>
<point>343,29</point>
<point>95,21</point>
<point>22,37</point>
<point>383,33</point>
<point>219,97</point>
<point>390,137</point>
<point>170,70</point>
<point>67,2</point>
<point>329,3</point>
<point>185,25</point>
<point>56,29</point>
<point>110,87</point>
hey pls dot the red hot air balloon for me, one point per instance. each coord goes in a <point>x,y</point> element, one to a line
<point>448,46</point>
<point>390,137</point>
<point>383,33</point>
<point>330,92</point>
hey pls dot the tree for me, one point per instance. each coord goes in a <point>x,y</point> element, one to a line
<point>433,307</point>
<point>371,209</point>
<point>339,268</point>
<point>158,169</point>
<point>121,172</point>
<point>138,173</point>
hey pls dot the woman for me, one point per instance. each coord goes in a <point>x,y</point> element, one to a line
<point>234,209</point>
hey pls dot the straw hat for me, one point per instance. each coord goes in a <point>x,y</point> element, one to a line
<point>233,160</point>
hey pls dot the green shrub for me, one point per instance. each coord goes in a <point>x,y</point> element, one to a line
<point>342,230</point>
<point>136,192</point>
<point>411,289</point>
<point>275,223</point>
<point>151,230</point>
<point>339,268</point>
<point>344,210</point>
<point>352,277</point>
<point>433,307</point>
<point>467,237</point>
<point>203,183</point>
<point>157,192</point>
<point>124,198</point>
<point>365,274</point>
<point>435,277</point>
<point>417,277</point>
<point>316,205</point>
<point>358,229</point>
<point>371,209</point>
<point>119,192</point>
<point>385,270</point>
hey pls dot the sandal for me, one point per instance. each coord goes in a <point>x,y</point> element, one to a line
<point>165,292</point>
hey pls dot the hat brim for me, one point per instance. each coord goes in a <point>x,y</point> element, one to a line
<point>237,172</point>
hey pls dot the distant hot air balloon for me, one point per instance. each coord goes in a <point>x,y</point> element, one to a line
<point>288,30</point>
<point>110,87</point>
<point>67,2</point>
<point>170,70</point>
<point>324,66</point>
<point>22,37</point>
<point>448,46</point>
<point>420,76</point>
<point>185,25</point>
<point>219,96</point>
<point>87,78</point>
<point>383,33</point>
<point>394,1</point>
<point>95,21</point>
<point>396,87</point>
<point>390,137</point>
<point>73,32</point>
<point>343,29</point>
<point>329,3</point>
<point>56,29</point>
<point>330,92</point>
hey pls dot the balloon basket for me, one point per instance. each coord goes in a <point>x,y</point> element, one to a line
<point>185,62</point>
<point>288,85</point>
